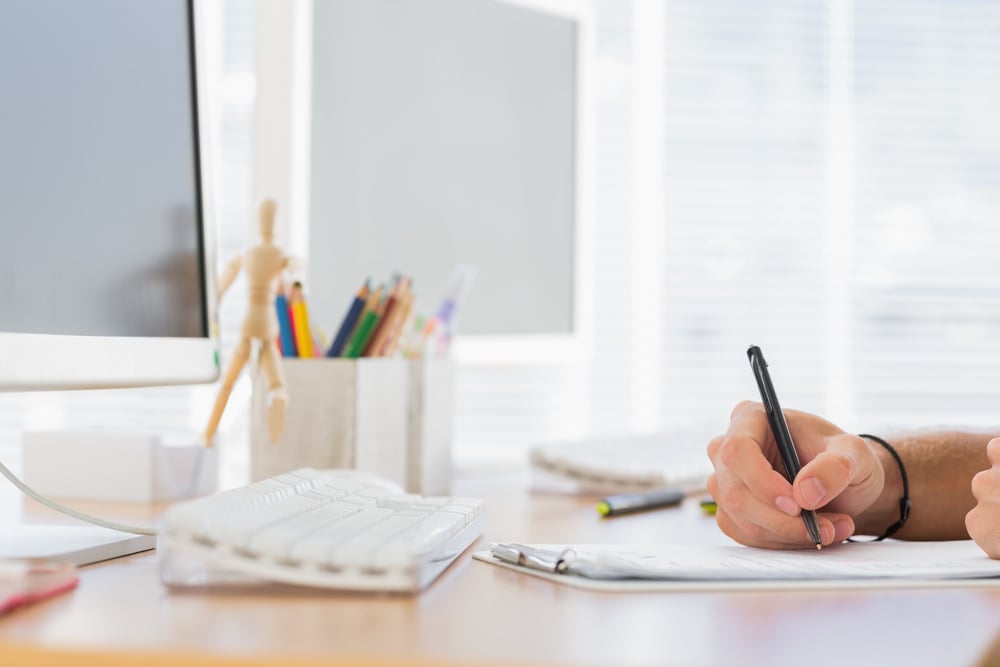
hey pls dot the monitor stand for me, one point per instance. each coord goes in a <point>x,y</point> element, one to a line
<point>80,545</point>
<point>104,466</point>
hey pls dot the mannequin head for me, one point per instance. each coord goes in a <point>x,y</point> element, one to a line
<point>266,219</point>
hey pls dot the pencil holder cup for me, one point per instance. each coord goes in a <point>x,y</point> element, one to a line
<point>390,417</point>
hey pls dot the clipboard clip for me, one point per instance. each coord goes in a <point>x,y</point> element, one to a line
<point>544,560</point>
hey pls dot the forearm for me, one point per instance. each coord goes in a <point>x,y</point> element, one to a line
<point>939,469</point>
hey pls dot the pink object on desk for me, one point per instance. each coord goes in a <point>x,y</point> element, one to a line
<point>24,582</point>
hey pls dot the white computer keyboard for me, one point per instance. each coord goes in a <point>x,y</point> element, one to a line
<point>334,529</point>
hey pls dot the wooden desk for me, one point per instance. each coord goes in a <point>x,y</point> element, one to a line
<point>480,614</point>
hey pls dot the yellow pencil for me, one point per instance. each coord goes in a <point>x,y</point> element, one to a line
<point>300,321</point>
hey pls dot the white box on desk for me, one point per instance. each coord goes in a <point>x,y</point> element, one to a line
<point>390,417</point>
<point>118,465</point>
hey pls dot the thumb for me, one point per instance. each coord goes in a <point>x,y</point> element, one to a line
<point>847,466</point>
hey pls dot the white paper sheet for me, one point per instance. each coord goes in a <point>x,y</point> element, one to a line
<point>867,563</point>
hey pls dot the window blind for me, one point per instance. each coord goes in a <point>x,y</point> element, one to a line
<point>830,193</point>
<point>926,290</point>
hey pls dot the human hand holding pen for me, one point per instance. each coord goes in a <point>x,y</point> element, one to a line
<point>843,477</point>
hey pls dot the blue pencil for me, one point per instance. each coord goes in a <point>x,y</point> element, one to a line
<point>350,321</point>
<point>288,348</point>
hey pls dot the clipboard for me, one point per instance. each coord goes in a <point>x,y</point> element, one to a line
<point>690,568</point>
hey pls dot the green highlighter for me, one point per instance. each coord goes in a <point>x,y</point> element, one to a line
<point>627,503</point>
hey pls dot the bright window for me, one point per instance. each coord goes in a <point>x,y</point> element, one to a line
<point>828,190</point>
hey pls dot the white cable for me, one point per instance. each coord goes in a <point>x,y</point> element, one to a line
<point>28,491</point>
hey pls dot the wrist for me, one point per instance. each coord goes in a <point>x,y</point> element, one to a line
<point>885,511</point>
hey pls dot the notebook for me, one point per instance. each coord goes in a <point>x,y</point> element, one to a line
<point>623,464</point>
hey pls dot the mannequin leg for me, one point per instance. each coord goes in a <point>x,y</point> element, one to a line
<point>240,356</point>
<point>277,395</point>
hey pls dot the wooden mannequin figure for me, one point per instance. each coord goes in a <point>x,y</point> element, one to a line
<point>264,264</point>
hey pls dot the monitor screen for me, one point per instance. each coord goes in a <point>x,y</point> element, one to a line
<point>99,177</point>
<point>106,225</point>
<point>445,132</point>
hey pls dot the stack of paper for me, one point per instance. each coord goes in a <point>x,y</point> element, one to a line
<point>623,464</point>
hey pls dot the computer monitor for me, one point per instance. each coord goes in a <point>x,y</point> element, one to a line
<point>450,132</point>
<point>107,245</point>
<point>104,260</point>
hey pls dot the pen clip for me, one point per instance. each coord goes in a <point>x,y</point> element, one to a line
<point>544,560</point>
<point>758,364</point>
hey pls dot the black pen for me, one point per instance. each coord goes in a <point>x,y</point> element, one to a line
<point>637,502</point>
<point>789,457</point>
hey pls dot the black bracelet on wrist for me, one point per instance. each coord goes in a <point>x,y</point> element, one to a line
<point>904,503</point>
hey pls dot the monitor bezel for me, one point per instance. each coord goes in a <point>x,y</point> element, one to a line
<point>55,361</point>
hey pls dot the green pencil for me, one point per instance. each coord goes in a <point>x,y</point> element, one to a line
<point>362,335</point>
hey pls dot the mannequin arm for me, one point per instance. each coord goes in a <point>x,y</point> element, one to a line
<point>229,274</point>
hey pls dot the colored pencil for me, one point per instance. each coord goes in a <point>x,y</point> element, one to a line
<point>393,309</point>
<point>350,322</point>
<point>392,341</point>
<point>300,320</point>
<point>371,306</point>
<point>285,330</point>
<point>363,334</point>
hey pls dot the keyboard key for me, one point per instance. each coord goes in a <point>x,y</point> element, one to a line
<point>358,551</point>
<point>315,549</point>
<point>277,540</point>
<point>420,539</point>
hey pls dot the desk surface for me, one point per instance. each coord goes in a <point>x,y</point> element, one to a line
<point>478,613</point>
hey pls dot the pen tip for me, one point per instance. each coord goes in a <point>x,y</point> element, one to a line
<point>818,547</point>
